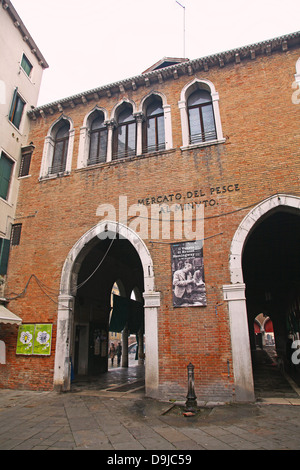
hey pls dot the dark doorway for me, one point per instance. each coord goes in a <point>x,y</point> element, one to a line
<point>271,269</point>
<point>105,261</point>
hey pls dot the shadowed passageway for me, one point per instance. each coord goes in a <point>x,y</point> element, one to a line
<point>269,380</point>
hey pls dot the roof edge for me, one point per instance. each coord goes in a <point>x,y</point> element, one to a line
<point>8,6</point>
<point>221,59</point>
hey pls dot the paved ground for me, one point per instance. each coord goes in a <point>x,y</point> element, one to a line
<point>108,417</point>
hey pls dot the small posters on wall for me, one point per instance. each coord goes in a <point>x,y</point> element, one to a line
<point>188,274</point>
<point>34,339</point>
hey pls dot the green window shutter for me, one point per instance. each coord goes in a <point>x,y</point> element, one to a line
<point>16,109</point>
<point>18,112</point>
<point>6,166</point>
<point>4,255</point>
<point>13,104</point>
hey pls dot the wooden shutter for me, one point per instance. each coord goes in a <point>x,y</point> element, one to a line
<point>6,166</point>
<point>4,254</point>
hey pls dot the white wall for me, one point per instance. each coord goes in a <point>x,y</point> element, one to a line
<point>12,47</point>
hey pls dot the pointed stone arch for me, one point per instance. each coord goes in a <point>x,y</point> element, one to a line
<point>167,115</point>
<point>72,264</point>
<point>234,293</point>
<point>84,136</point>
<point>49,144</point>
<point>120,104</point>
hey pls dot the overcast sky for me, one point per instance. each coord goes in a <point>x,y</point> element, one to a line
<point>91,43</point>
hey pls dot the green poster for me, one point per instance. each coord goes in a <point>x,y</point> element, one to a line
<point>42,339</point>
<point>25,339</point>
<point>34,339</point>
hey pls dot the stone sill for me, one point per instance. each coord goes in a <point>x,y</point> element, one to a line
<point>203,144</point>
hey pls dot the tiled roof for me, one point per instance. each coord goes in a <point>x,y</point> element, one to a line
<point>189,67</point>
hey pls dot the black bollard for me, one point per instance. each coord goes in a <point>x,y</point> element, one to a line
<point>191,402</point>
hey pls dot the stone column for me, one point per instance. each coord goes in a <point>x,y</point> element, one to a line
<point>110,128</point>
<point>70,150</point>
<point>139,133</point>
<point>168,127</point>
<point>152,302</point>
<point>184,123</point>
<point>215,103</point>
<point>234,294</point>
<point>83,147</point>
<point>62,366</point>
<point>47,156</point>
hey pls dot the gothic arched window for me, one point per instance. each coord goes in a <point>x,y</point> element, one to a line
<point>61,143</point>
<point>98,141</point>
<point>154,128</point>
<point>125,134</point>
<point>201,117</point>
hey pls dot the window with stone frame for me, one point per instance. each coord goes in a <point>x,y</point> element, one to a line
<point>153,126</point>
<point>26,154</point>
<point>98,140</point>
<point>124,142</point>
<point>202,126</point>
<point>26,65</point>
<point>60,149</point>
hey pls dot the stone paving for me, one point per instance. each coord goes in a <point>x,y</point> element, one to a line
<point>105,416</point>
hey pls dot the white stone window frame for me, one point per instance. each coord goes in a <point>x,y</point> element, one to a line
<point>187,90</point>
<point>84,136</point>
<point>167,120</point>
<point>30,75</point>
<point>297,75</point>
<point>48,151</point>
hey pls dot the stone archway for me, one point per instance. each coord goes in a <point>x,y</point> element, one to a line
<point>62,368</point>
<point>234,294</point>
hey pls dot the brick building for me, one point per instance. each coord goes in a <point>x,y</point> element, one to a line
<point>213,146</point>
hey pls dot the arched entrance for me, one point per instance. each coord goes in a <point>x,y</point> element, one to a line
<point>263,331</point>
<point>236,294</point>
<point>116,251</point>
<point>271,261</point>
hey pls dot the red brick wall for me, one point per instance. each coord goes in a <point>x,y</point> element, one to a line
<point>260,155</point>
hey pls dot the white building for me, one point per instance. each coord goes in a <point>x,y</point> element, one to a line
<point>21,70</point>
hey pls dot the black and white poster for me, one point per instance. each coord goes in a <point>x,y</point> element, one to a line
<point>188,274</point>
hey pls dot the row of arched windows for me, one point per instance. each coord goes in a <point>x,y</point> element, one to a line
<point>131,132</point>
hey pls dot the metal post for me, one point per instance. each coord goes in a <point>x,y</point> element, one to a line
<point>191,402</point>
<point>182,6</point>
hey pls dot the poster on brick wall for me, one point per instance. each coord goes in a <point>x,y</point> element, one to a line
<point>25,339</point>
<point>42,339</point>
<point>188,274</point>
<point>34,339</point>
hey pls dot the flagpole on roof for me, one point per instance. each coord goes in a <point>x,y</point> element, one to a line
<point>182,6</point>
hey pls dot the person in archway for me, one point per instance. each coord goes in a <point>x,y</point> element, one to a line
<point>119,353</point>
<point>112,353</point>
